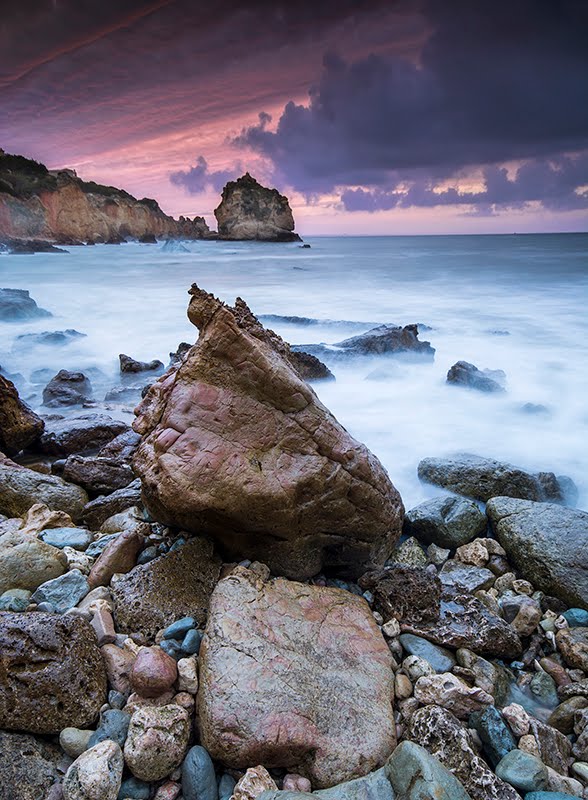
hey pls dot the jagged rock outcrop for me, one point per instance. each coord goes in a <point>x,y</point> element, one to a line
<point>236,445</point>
<point>36,203</point>
<point>249,210</point>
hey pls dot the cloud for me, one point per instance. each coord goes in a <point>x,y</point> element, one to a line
<point>553,183</point>
<point>198,179</point>
<point>495,83</point>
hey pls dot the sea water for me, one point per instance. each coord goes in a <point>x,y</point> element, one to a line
<point>516,303</point>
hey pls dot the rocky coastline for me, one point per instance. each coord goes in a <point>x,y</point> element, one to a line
<point>229,600</point>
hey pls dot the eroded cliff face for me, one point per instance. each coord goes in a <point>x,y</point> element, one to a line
<point>36,203</point>
<point>250,211</point>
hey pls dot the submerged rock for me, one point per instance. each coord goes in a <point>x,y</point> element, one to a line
<point>483,478</point>
<point>67,389</point>
<point>48,338</point>
<point>18,305</point>
<point>294,676</point>
<point>19,425</point>
<point>548,544</point>
<point>128,365</point>
<point>381,340</point>
<point>236,445</point>
<point>249,210</point>
<point>464,374</point>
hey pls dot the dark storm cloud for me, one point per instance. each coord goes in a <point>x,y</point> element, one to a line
<point>199,178</point>
<point>497,81</point>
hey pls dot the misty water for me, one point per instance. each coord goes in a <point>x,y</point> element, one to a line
<point>516,303</point>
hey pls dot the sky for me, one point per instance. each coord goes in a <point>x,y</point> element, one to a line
<point>373,117</point>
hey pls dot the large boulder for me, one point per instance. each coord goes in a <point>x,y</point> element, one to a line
<point>483,478</point>
<point>249,210</point>
<point>83,433</point>
<point>21,488</point>
<point>18,305</point>
<point>19,425</point>
<point>464,374</point>
<point>381,340</point>
<point>236,445</point>
<point>26,562</point>
<point>52,674</point>
<point>294,676</point>
<point>445,521</point>
<point>67,389</point>
<point>28,766</point>
<point>548,544</point>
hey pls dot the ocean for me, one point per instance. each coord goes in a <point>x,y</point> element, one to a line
<point>513,302</point>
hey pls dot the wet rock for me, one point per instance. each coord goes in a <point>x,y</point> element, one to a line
<point>249,210</point>
<point>409,553</point>
<point>445,521</point>
<point>97,511</point>
<point>81,434</point>
<point>255,781</point>
<point>404,593</point>
<point>96,774</point>
<point>26,562</point>
<point>440,659</point>
<point>67,389</point>
<point>388,339</point>
<point>28,767</point>
<point>21,488</point>
<point>18,305</point>
<point>496,737</point>
<point>52,674</point>
<point>156,741</point>
<point>154,672</point>
<point>483,478</point>
<point>466,622</point>
<point>546,543</point>
<point>64,592</point>
<point>96,474</point>
<point>441,733</point>
<point>128,365</point>
<point>576,617</point>
<point>417,775</point>
<point>119,556</point>
<point>47,339</point>
<point>464,374</point>
<point>522,613</point>
<point>465,578</point>
<point>450,692</point>
<point>523,771</point>
<point>19,425</point>
<point>315,697</point>
<point>175,585</point>
<point>292,504</point>
<point>573,645</point>
<point>198,776</point>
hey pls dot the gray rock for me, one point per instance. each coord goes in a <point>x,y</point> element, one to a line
<point>157,741</point>
<point>439,658</point>
<point>494,733</point>
<point>374,786</point>
<point>548,544</point>
<point>483,478</point>
<point>28,767</point>
<point>523,771</point>
<point>130,366</point>
<point>80,434</point>
<point>114,724</point>
<point>78,538</point>
<point>99,510</point>
<point>465,578</point>
<point>26,562</point>
<point>18,305</point>
<point>21,488</point>
<point>446,521</point>
<point>417,775</point>
<point>96,474</point>
<point>198,776</point>
<point>63,592</point>
<point>463,373</point>
<point>67,389</point>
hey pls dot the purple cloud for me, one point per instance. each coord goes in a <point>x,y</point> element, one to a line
<point>198,178</point>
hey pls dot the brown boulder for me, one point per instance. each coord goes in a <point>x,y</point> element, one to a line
<point>19,426</point>
<point>235,444</point>
<point>176,585</point>
<point>119,555</point>
<point>294,676</point>
<point>28,767</point>
<point>249,210</point>
<point>51,673</point>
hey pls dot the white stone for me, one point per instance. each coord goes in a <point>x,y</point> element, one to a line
<point>96,774</point>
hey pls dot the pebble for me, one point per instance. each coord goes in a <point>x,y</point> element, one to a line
<point>119,556</point>
<point>415,667</point>
<point>551,796</point>
<point>103,625</point>
<point>440,659</point>
<point>171,647</point>
<point>97,547</point>
<point>157,740</point>
<point>116,699</point>
<point>576,617</point>
<point>448,691</point>
<point>296,783</point>
<point>96,774</point>
<point>523,771</point>
<point>226,786</point>
<point>15,600</point>
<point>474,553</point>
<point>134,789</point>
<point>64,592</point>
<point>580,768</point>
<point>101,594</point>
<point>255,781</point>
<point>391,629</point>
<point>178,629</point>
<point>76,538</point>
<point>410,554</point>
<point>517,718</point>
<point>119,664</point>
<point>114,725</point>
<point>168,791</point>
<point>154,672</point>
<point>191,642</point>
<point>523,613</point>
<point>437,555</point>
<point>74,741</point>
<point>188,675</point>
<point>198,776</point>
<point>402,686</point>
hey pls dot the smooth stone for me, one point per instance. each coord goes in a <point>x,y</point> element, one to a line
<point>199,778</point>
<point>75,741</point>
<point>178,629</point>
<point>172,648</point>
<point>523,771</point>
<point>114,724</point>
<point>96,774</point>
<point>134,789</point>
<point>226,786</point>
<point>26,562</point>
<point>98,546</point>
<point>116,699</point>
<point>550,796</point>
<point>78,538</point>
<point>439,658</point>
<point>154,672</point>
<point>446,521</point>
<point>417,775</point>
<point>576,617</point>
<point>64,592</point>
<point>494,733</point>
<point>191,642</point>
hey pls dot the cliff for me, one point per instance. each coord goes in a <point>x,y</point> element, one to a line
<point>36,203</point>
<point>250,211</point>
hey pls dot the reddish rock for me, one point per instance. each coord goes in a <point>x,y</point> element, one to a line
<point>294,676</point>
<point>19,426</point>
<point>236,445</point>
<point>119,555</point>
<point>119,664</point>
<point>153,673</point>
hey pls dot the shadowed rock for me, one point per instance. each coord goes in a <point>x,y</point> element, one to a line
<point>464,374</point>
<point>249,210</point>
<point>19,425</point>
<point>17,304</point>
<point>236,445</point>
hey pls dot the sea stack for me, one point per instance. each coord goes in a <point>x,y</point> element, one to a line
<point>250,211</point>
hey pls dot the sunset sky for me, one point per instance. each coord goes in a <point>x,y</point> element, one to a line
<point>416,116</point>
